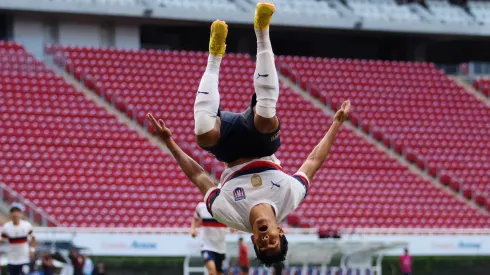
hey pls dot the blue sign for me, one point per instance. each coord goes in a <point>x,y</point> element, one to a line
<point>141,245</point>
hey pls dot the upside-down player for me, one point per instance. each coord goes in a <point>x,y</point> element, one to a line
<point>212,236</point>
<point>254,194</point>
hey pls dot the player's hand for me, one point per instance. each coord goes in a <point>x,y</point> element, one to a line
<point>193,233</point>
<point>233,230</point>
<point>161,130</point>
<point>343,112</point>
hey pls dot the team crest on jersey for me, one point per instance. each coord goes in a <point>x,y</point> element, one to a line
<point>256,180</point>
<point>239,194</point>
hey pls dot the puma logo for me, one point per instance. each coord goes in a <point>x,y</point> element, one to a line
<point>261,75</point>
<point>275,184</point>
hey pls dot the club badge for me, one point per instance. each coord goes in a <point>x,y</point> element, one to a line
<point>256,180</point>
<point>239,194</point>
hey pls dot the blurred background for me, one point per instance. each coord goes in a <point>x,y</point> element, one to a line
<point>411,169</point>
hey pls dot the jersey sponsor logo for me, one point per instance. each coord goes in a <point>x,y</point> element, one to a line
<point>256,180</point>
<point>275,136</point>
<point>239,194</point>
<point>262,75</point>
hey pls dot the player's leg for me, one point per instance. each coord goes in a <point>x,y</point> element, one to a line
<point>211,267</point>
<point>266,81</point>
<point>219,263</point>
<point>244,270</point>
<point>209,257</point>
<point>207,122</point>
<point>14,269</point>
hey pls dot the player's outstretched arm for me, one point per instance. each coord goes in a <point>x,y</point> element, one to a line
<point>191,168</point>
<point>319,154</point>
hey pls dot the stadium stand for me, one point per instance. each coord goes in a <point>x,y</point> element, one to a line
<point>104,2</point>
<point>223,5</point>
<point>481,10</point>
<point>416,106</point>
<point>75,160</point>
<point>448,13</point>
<point>364,188</point>
<point>386,10</point>
<point>308,8</point>
<point>483,85</point>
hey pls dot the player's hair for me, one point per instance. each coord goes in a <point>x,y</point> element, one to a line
<point>270,260</point>
<point>15,209</point>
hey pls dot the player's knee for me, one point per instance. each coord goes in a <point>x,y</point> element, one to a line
<point>211,270</point>
<point>210,137</point>
<point>203,122</point>
<point>265,125</point>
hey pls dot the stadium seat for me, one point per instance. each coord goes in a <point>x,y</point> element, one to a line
<point>359,186</point>
<point>483,85</point>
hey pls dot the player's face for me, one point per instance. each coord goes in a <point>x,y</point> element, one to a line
<point>267,238</point>
<point>16,215</point>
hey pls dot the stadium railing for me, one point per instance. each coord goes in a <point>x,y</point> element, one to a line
<point>34,214</point>
<point>415,231</point>
<point>148,230</point>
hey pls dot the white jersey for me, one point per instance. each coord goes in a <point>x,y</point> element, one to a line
<point>18,243</point>
<point>259,181</point>
<point>212,232</point>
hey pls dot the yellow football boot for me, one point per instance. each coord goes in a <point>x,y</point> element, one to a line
<point>263,15</point>
<point>217,42</point>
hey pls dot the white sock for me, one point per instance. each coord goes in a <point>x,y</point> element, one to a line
<point>266,83</point>
<point>214,63</point>
<point>263,40</point>
<point>207,98</point>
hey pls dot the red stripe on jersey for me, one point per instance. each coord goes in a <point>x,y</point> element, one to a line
<point>18,240</point>
<point>212,224</point>
<point>208,201</point>
<point>253,165</point>
<point>303,178</point>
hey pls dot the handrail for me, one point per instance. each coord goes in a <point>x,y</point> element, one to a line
<point>31,209</point>
<point>148,230</point>
<point>416,231</point>
<point>301,231</point>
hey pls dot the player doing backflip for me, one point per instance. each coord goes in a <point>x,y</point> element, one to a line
<point>253,194</point>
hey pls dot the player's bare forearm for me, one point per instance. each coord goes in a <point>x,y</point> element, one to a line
<point>320,153</point>
<point>33,242</point>
<point>190,167</point>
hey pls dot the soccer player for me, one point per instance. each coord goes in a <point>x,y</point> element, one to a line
<point>406,263</point>
<point>243,257</point>
<point>212,235</point>
<point>18,232</point>
<point>255,194</point>
<point>257,128</point>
